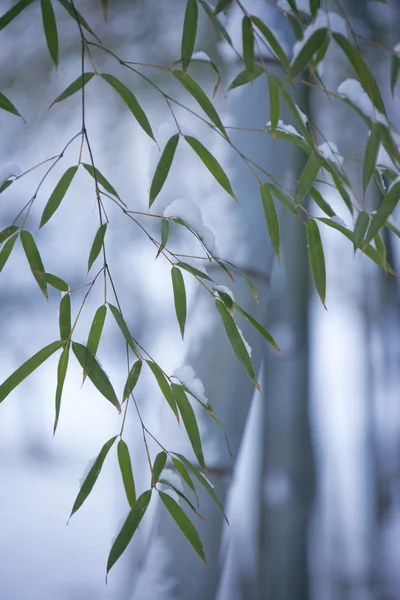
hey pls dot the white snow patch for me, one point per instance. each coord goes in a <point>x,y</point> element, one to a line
<point>224,288</point>
<point>330,152</point>
<point>188,212</point>
<point>187,377</point>
<point>281,126</point>
<point>8,170</point>
<point>246,344</point>
<point>302,115</point>
<point>354,92</point>
<point>331,21</point>
<point>397,48</point>
<point>200,55</point>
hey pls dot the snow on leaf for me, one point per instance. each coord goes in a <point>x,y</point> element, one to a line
<point>190,214</point>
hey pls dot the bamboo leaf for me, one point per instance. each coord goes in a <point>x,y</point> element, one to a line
<point>61,374</point>
<point>274,102</point>
<point>370,156</point>
<point>8,232</point>
<point>92,476</point>
<point>164,386</point>
<point>178,286</point>
<point>317,259</point>
<point>181,495</point>
<point>96,374</point>
<point>211,163</point>
<point>57,195</point>
<point>319,201</point>
<point>34,260</point>
<point>128,529</point>
<point>221,6</point>
<point>314,6</point>
<point>158,467</point>
<point>72,11</point>
<point>216,22</point>
<point>271,217</point>
<point>245,77</point>
<point>56,282</point>
<point>384,211</point>
<point>307,176</point>
<point>125,466</point>
<point>189,32</point>
<point>183,472</point>
<point>164,235</point>
<point>123,326</point>
<point>184,523</point>
<point>360,229</point>
<point>311,46</point>
<point>248,45</point>
<point>65,317</point>
<point>132,379</point>
<point>104,6</point>
<point>27,368</point>
<point>193,270</point>
<point>130,100</point>
<point>259,328</point>
<point>97,245</point>
<point>275,46</point>
<point>195,90</point>
<point>163,168</point>
<point>50,29</point>
<point>13,12</point>
<point>99,177</point>
<point>189,420</point>
<point>394,71</point>
<point>6,251</point>
<point>93,340</point>
<point>5,104</point>
<point>282,197</point>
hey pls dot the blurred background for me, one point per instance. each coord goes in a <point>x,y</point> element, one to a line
<point>312,491</point>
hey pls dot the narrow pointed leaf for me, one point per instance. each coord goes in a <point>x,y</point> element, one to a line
<point>211,163</point>
<point>8,232</point>
<point>50,29</point>
<point>343,192</point>
<point>27,368</point>
<point>56,282</point>
<point>97,244</point>
<point>92,476</point>
<point>158,466</point>
<point>259,328</point>
<point>6,251</point>
<point>163,168</point>
<point>193,270</point>
<point>274,45</point>
<point>71,9</point>
<point>384,211</point>
<point>189,32</point>
<point>195,90</point>
<point>34,260</point>
<point>381,250</point>
<point>132,379</point>
<point>248,45</point>
<point>184,523</point>
<point>65,317</point>
<point>274,102</point>
<point>104,6</point>
<point>57,195</point>
<point>317,259</point>
<point>370,156</point>
<point>5,104</point>
<point>312,45</point>
<point>181,495</point>
<point>130,100</point>
<point>183,472</point>
<point>360,229</point>
<point>99,177</point>
<point>96,374</point>
<point>307,176</point>
<point>282,197</point>
<point>394,71</point>
<point>271,217</point>
<point>123,326</point>
<point>221,6</point>
<point>164,386</point>
<point>319,201</point>
<point>189,420</point>
<point>13,12</point>
<point>164,235</point>
<point>236,341</point>
<point>245,77</point>
<point>125,466</point>
<point>128,529</point>
<point>93,340</point>
<point>216,22</point>
<point>61,374</point>
<point>178,286</point>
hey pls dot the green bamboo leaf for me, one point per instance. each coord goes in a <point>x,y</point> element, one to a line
<point>211,163</point>
<point>34,260</point>
<point>50,29</point>
<point>314,6</point>
<point>158,467</point>
<point>57,195</point>
<point>274,102</point>
<point>236,341</point>
<point>319,201</point>
<point>317,259</point>
<point>259,328</point>
<point>125,465</point>
<point>384,211</point>
<point>282,197</point>
<point>74,87</point>
<point>295,23</point>
<point>163,168</point>
<point>221,6</point>
<point>56,282</point>
<point>245,77</point>
<point>128,529</point>
<point>394,71</point>
<point>275,46</point>
<point>27,368</point>
<point>123,326</point>
<point>178,285</point>
<point>362,70</point>
<point>248,45</point>
<point>189,420</point>
<point>381,250</point>
<point>97,245</point>
<point>96,374</point>
<point>184,524</point>
<point>342,191</point>
<point>6,184</point>
<point>370,156</point>
<point>389,143</point>
<point>193,270</point>
<point>132,379</point>
<point>99,177</point>
<point>130,100</point>
<point>271,217</point>
<point>189,32</point>
<point>195,90</point>
<point>72,11</point>
<point>181,495</point>
<point>92,476</point>
<point>104,6</point>
<point>5,104</point>
<point>13,12</point>
<point>226,298</point>
<point>65,317</point>
<point>6,251</point>
<point>183,472</point>
<point>164,235</point>
<point>216,22</point>
<point>93,340</point>
<point>61,374</point>
<point>298,116</point>
<point>164,386</point>
<point>307,176</point>
<point>311,46</point>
